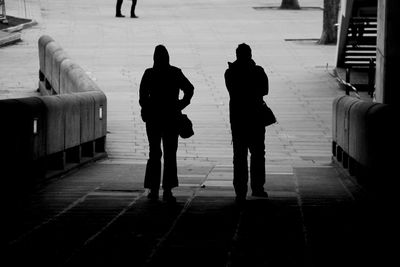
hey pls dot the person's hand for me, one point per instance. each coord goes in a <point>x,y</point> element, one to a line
<point>182,103</point>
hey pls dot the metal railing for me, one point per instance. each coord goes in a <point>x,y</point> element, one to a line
<point>348,86</point>
<point>371,76</point>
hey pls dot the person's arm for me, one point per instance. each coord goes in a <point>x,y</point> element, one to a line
<point>144,90</point>
<point>228,81</point>
<point>144,96</point>
<point>188,91</point>
<point>263,82</point>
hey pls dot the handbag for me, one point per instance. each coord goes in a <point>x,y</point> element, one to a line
<point>185,126</point>
<point>268,117</point>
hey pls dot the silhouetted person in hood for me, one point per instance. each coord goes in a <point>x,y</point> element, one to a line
<point>247,83</point>
<point>161,108</point>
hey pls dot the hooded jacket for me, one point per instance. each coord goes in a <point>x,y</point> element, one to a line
<point>247,83</point>
<point>159,89</point>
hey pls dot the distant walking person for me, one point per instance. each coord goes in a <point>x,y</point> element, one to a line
<point>118,13</point>
<point>247,83</point>
<point>161,108</point>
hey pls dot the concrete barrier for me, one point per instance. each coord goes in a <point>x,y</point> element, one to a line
<point>100,114</point>
<point>22,133</point>
<point>8,138</point>
<point>66,123</point>
<point>72,110</point>
<point>22,138</point>
<point>57,59</point>
<point>33,121</point>
<point>42,43</point>
<point>68,85</point>
<point>10,133</point>
<point>359,134</point>
<point>75,80</point>
<point>87,117</point>
<point>335,107</point>
<point>342,126</point>
<point>50,49</point>
<point>81,82</point>
<point>364,136</point>
<point>371,136</point>
<point>55,127</point>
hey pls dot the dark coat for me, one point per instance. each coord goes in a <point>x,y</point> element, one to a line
<point>159,90</point>
<point>247,83</point>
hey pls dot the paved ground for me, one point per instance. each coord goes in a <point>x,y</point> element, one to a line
<point>201,37</point>
<point>316,215</point>
<point>100,216</point>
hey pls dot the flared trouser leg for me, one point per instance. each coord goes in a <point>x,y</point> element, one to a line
<point>157,133</point>
<point>152,176</point>
<point>170,146</point>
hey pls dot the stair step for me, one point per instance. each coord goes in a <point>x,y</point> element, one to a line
<point>366,24</point>
<point>363,41</point>
<point>363,64</point>
<point>362,54</point>
<point>354,59</point>
<point>366,56</point>
<point>356,65</point>
<point>361,48</point>
<point>369,31</point>
<point>367,19</point>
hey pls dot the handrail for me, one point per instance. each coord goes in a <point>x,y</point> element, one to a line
<point>347,85</point>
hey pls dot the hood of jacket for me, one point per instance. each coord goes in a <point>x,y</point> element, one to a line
<point>161,57</point>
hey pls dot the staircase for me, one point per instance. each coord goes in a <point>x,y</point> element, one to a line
<point>360,49</point>
<point>358,52</point>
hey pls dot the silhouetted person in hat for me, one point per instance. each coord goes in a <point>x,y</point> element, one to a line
<point>247,83</point>
<point>118,13</point>
<point>161,108</point>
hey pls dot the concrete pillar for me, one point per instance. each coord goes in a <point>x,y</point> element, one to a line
<point>388,53</point>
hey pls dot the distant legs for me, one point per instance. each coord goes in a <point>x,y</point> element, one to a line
<point>118,6</point>
<point>133,15</point>
<point>118,13</point>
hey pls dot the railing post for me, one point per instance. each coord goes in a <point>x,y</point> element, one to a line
<point>347,75</point>
<point>371,76</point>
<point>347,89</point>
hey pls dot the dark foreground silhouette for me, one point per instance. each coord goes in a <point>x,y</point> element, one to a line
<point>247,83</point>
<point>161,110</point>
